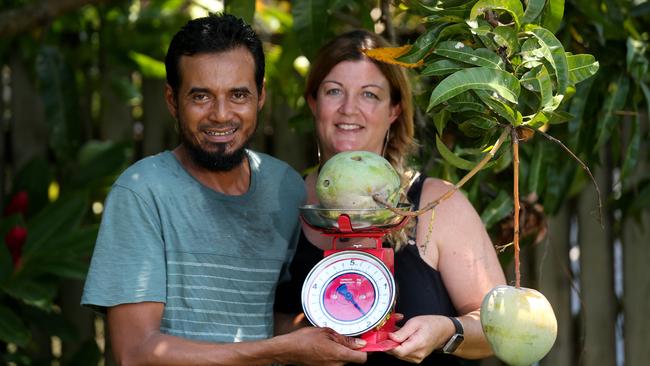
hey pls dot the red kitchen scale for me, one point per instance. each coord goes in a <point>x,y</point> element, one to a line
<point>352,290</point>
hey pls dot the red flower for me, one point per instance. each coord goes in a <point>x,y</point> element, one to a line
<point>18,204</point>
<point>15,240</point>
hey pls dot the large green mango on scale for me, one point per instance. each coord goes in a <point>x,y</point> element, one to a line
<point>350,179</point>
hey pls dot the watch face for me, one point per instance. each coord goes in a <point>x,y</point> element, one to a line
<point>350,291</point>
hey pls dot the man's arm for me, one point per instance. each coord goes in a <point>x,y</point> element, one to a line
<point>136,340</point>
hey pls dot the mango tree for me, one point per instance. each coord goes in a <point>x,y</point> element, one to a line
<point>499,76</point>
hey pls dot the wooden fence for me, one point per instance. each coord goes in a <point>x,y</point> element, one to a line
<point>597,278</point>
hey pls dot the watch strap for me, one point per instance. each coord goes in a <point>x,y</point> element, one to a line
<point>456,339</point>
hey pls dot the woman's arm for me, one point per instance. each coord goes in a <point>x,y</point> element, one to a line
<point>459,247</point>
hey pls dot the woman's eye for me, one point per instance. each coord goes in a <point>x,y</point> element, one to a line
<point>371,95</point>
<point>333,91</point>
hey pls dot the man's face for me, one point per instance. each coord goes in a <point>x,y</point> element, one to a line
<point>216,106</point>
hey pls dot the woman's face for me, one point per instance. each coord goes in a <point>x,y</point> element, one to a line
<point>353,109</point>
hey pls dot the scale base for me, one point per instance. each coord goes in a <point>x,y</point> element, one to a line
<point>377,340</point>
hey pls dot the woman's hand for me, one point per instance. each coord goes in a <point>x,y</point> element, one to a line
<point>420,336</point>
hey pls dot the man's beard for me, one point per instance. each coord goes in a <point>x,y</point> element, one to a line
<point>216,160</point>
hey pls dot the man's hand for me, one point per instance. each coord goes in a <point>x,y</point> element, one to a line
<point>320,346</point>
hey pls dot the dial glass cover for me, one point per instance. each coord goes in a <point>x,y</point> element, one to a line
<point>350,291</point>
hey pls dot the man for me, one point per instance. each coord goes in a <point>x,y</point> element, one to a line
<point>193,242</point>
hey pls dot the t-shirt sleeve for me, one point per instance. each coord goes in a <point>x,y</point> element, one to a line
<point>128,262</point>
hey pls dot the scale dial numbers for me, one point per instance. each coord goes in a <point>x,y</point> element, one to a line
<point>350,291</point>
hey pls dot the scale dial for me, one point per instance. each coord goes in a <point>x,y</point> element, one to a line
<point>349,291</point>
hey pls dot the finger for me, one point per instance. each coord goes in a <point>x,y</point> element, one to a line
<point>349,342</point>
<point>356,356</point>
<point>403,333</point>
<point>353,343</point>
<point>398,352</point>
<point>398,316</point>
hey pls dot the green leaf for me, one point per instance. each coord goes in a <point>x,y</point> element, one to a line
<point>507,37</point>
<point>440,120</point>
<point>36,292</point>
<point>441,68</point>
<point>615,101</point>
<point>456,50</point>
<point>452,158</point>
<point>533,10</point>
<point>503,110</point>
<point>35,177</point>
<point>479,78</point>
<point>646,94</point>
<point>310,20</point>
<point>465,102</point>
<point>435,18</point>
<point>149,66</point>
<point>581,67</point>
<point>455,31</point>
<point>97,161</point>
<point>423,45</point>
<point>497,209</point>
<point>633,148</point>
<point>554,53</point>
<point>65,255</point>
<point>513,7</point>
<point>70,268</point>
<point>558,117</point>
<point>12,329</point>
<point>58,217</point>
<point>552,16</point>
<point>577,110</point>
<point>539,80</point>
<point>549,117</point>
<point>460,9</point>
<point>244,9</point>
<point>477,126</point>
<point>535,171</point>
<point>558,177</point>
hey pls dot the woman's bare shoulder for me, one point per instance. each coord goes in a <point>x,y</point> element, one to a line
<point>434,188</point>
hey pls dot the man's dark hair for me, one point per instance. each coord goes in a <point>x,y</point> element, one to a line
<point>214,33</point>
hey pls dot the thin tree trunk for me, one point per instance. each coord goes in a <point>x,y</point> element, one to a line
<point>554,281</point>
<point>597,277</point>
<point>636,290</point>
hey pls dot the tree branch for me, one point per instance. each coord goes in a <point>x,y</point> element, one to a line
<point>431,205</point>
<point>16,21</point>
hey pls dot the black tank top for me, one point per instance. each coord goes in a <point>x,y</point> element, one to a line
<point>420,290</point>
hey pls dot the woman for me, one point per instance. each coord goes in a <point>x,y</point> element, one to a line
<point>441,274</point>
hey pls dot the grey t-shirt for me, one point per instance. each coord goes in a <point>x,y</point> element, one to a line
<point>213,259</point>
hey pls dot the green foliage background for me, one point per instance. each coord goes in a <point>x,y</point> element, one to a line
<point>603,119</point>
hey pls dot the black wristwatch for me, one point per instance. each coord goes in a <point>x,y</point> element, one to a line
<point>456,339</point>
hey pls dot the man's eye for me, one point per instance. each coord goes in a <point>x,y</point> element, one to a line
<point>240,95</point>
<point>199,97</point>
